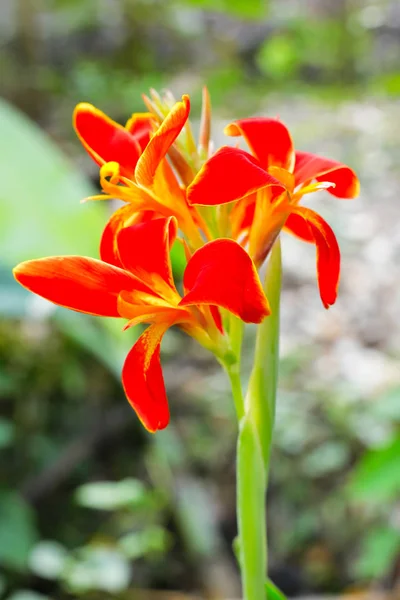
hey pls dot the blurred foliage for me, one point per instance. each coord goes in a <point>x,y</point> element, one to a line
<point>89,504</point>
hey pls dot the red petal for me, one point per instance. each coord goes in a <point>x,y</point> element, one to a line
<point>328,253</point>
<point>230,174</point>
<point>143,381</point>
<point>298,227</point>
<point>161,141</point>
<point>310,166</point>
<point>221,273</point>
<point>123,217</point>
<point>104,139</point>
<point>216,315</point>
<point>268,139</point>
<point>76,282</point>
<point>144,250</point>
<point>140,125</point>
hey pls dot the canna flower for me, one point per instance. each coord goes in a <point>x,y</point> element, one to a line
<point>267,186</point>
<point>134,167</point>
<point>140,288</point>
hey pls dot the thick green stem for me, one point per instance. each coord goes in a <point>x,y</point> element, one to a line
<point>254,443</point>
<point>261,395</point>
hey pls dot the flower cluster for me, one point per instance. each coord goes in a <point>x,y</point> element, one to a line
<point>226,209</point>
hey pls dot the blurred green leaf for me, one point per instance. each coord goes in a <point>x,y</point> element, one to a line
<point>110,495</point>
<point>278,57</point>
<point>27,595</point>
<point>18,532</point>
<point>378,553</point>
<point>40,210</point>
<point>328,457</point>
<point>6,433</point>
<point>250,9</point>
<point>152,539</point>
<point>377,476</point>
<point>98,568</point>
<point>48,559</point>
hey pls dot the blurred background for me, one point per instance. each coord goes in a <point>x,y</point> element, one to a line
<point>90,505</point>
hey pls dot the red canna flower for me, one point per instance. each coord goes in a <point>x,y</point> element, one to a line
<point>134,167</point>
<point>139,287</point>
<point>106,141</point>
<point>267,186</point>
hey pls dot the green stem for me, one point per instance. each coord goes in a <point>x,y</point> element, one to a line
<point>261,396</point>
<point>254,442</point>
<point>233,371</point>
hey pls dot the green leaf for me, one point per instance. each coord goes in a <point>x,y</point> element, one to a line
<point>250,9</point>
<point>18,532</point>
<point>27,595</point>
<point>98,568</point>
<point>272,592</point>
<point>376,478</point>
<point>48,559</point>
<point>378,553</point>
<point>111,495</point>
<point>151,540</point>
<point>40,210</point>
<point>6,433</point>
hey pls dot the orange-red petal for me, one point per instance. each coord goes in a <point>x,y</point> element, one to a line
<point>144,250</point>
<point>141,125</point>
<point>161,141</point>
<point>328,253</point>
<point>310,166</point>
<point>123,217</point>
<point>299,228</point>
<point>230,174</point>
<point>83,284</point>
<point>221,273</point>
<point>104,139</point>
<point>268,139</point>
<point>143,381</point>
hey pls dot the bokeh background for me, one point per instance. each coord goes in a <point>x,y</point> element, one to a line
<point>90,505</point>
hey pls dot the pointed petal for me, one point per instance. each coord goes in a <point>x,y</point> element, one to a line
<point>144,250</point>
<point>123,217</point>
<point>230,174</point>
<point>143,381</point>
<point>310,166</point>
<point>268,139</point>
<point>141,125</point>
<point>221,273</point>
<point>328,252</point>
<point>104,139</point>
<point>161,141</point>
<point>76,282</point>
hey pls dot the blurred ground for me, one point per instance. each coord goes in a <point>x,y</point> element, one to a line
<point>165,519</point>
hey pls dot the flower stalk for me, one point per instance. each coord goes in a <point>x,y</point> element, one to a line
<point>254,442</point>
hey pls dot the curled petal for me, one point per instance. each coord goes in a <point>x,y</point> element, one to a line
<point>76,282</point>
<point>230,174</point>
<point>161,141</point>
<point>141,125</point>
<point>144,250</point>
<point>268,139</point>
<point>123,217</point>
<point>143,381</point>
<point>221,273</point>
<point>328,253</point>
<point>310,166</point>
<point>104,139</point>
